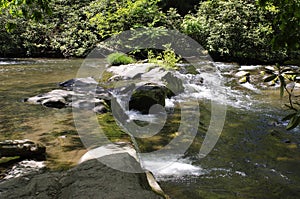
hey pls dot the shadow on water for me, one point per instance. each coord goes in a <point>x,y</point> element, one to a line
<point>255,156</point>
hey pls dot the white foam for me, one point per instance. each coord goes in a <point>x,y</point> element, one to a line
<point>24,167</point>
<point>166,168</point>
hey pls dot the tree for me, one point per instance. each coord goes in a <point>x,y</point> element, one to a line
<point>236,30</point>
<point>30,9</point>
<point>286,23</point>
<point>286,26</point>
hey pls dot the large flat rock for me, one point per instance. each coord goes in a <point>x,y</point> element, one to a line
<point>91,179</point>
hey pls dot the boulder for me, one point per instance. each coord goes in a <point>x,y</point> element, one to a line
<point>91,179</point>
<point>57,93</point>
<point>146,96</point>
<point>148,72</point>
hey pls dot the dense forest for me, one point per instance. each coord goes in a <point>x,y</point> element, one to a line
<point>245,31</point>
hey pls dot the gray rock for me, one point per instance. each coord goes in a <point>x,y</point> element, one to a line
<point>78,82</point>
<point>130,71</point>
<point>87,98</point>
<point>55,102</point>
<point>146,96</point>
<point>91,179</point>
<point>57,93</point>
<point>147,72</point>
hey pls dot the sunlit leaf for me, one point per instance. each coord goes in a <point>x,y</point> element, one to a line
<point>294,122</point>
<point>288,117</point>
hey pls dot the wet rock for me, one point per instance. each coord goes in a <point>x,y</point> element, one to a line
<point>101,93</point>
<point>148,72</point>
<point>55,102</point>
<point>23,148</point>
<point>24,167</point>
<point>174,84</point>
<point>78,82</point>
<point>130,71</point>
<point>82,97</point>
<point>91,179</point>
<point>241,74</point>
<point>146,96</point>
<point>87,103</point>
<point>57,93</point>
<point>100,109</point>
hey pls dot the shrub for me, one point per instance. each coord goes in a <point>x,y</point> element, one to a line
<point>116,59</point>
<point>167,59</point>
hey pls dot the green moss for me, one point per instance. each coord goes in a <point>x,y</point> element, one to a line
<point>5,160</point>
<point>111,129</point>
<point>116,59</point>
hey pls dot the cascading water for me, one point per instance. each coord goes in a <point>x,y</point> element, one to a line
<point>199,86</point>
<point>255,156</point>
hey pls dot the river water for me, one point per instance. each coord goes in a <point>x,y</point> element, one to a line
<point>255,157</point>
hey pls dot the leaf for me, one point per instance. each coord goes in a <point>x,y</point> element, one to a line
<point>294,122</point>
<point>10,26</point>
<point>292,73</point>
<point>288,117</point>
<point>286,70</point>
<point>268,71</point>
<point>270,78</point>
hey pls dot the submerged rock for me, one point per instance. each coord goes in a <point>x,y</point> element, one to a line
<point>81,93</point>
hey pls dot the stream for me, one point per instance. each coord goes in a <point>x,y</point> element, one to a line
<point>255,157</point>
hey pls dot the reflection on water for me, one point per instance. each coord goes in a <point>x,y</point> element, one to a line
<point>255,156</point>
<point>52,127</point>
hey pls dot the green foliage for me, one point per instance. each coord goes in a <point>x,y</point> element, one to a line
<point>116,59</point>
<point>33,9</point>
<point>75,27</point>
<point>286,23</point>
<point>65,32</point>
<point>235,30</point>
<point>112,16</point>
<point>10,41</point>
<point>167,59</point>
<point>285,75</point>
